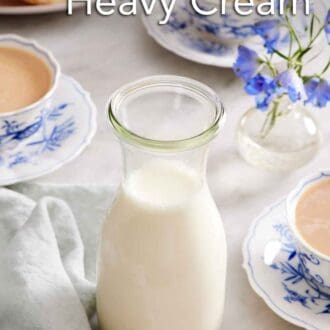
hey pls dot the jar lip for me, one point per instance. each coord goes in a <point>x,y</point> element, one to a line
<point>192,142</point>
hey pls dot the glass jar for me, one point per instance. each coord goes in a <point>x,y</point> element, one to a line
<point>279,139</point>
<point>162,257</point>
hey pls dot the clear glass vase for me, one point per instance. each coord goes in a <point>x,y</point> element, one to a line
<point>162,257</point>
<point>279,139</point>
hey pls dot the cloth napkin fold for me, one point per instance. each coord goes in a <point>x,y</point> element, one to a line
<point>48,242</point>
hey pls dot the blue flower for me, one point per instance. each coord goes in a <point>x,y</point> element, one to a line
<point>269,31</point>
<point>258,84</point>
<point>262,86</point>
<point>327,27</point>
<point>246,64</point>
<point>318,92</point>
<point>263,101</point>
<point>288,82</point>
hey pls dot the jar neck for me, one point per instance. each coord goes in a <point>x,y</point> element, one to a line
<point>194,160</point>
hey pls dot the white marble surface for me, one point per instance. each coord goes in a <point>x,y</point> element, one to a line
<point>103,53</point>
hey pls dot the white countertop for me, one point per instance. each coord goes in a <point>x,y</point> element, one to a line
<point>103,53</point>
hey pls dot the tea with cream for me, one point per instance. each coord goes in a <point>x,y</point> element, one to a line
<point>24,78</point>
<point>313,216</point>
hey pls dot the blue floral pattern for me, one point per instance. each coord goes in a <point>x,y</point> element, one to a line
<point>229,27</point>
<point>300,284</point>
<point>191,28</point>
<point>181,22</point>
<point>46,133</point>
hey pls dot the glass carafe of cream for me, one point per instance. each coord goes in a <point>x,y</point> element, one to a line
<point>162,256</point>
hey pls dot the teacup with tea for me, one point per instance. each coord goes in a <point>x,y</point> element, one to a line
<point>308,211</point>
<point>28,79</point>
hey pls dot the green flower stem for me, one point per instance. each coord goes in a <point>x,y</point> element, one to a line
<point>317,35</point>
<point>290,48</point>
<point>326,68</point>
<point>295,61</point>
<point>269,64</point>
<point>315,57</point>
<point>292,31</point>
<point>271,118</point>
<point>311,30</point>
<point>301,52</point>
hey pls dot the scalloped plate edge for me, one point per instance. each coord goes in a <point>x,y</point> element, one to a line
<point>250,274</point>
<point>85,142</point>
<point>158,38</point>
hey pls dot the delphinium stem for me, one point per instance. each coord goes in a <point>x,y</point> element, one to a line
<point>270,120</point>
<point>292,30</point>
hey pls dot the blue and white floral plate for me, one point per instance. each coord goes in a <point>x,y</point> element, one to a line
<point>61,133</point>
<point>182,37</point>
<point>281,275</point>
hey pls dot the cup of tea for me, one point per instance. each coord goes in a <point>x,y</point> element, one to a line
<point>29,76</point>
<point>308,213</point>
<point>229,28</point>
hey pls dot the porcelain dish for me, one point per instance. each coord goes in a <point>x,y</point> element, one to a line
<point>287,278</point>
<point>230,27</point>
<point>183,37</point>
<point>302,245</point>
<point>55,137</point>
<point>21,9</point>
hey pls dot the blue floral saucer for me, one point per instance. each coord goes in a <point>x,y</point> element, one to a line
<point>65,128</point>
<point>182,37</point>
<point>281,274</point>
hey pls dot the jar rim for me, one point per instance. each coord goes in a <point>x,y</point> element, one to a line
<point>191,85</point>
